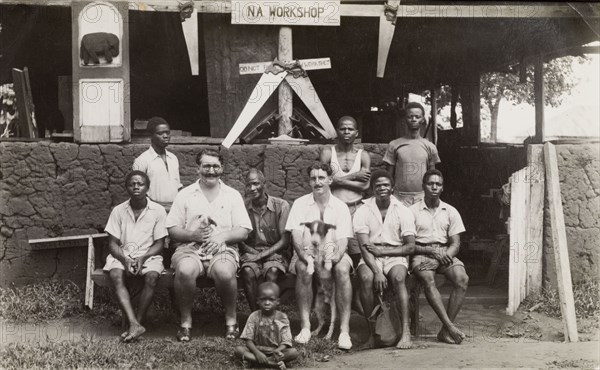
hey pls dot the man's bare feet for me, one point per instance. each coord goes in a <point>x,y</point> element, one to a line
<point>134,332</point>
<point>281,365</point>
<point>124,334</point>
<point>369,344</point>
<point>444,336</point>
<point>405,341</point>
<point>451,334</point>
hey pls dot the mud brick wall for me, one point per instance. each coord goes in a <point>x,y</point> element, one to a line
<point>50,190</point>
<point>579,171</point>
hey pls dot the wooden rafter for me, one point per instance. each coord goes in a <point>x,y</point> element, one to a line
<point>363,10</point>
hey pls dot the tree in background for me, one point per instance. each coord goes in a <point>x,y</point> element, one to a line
<point>558,80</point>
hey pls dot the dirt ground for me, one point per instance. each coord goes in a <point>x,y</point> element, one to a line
<point>493,339</point>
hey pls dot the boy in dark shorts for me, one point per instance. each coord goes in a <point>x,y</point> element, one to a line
<point>267,333</point>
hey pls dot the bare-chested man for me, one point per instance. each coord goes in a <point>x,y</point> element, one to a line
<point>351,171</point>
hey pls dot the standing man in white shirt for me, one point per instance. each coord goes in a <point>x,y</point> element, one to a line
<point>161,166</point>
<point>320,204</point>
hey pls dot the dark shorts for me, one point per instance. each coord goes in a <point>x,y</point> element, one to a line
<point>437,267</point>
<point>261,267</point>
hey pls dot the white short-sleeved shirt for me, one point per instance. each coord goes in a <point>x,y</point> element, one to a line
<point>399,221</point>
<point>305,209</point>
<point>137,237</point>
<point>164,183</point>
<point>436,226</point>
<point>227,209</point>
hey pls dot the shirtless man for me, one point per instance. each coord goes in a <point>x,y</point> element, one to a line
<point>408,157</point>
<point>351,171</point>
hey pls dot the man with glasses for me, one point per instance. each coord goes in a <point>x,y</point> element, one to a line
<point>209,250</point>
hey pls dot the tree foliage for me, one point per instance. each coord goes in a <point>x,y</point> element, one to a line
<point>558,81</point>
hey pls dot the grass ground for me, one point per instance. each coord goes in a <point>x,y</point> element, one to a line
<point>55,300</point>
<point>50,302</point>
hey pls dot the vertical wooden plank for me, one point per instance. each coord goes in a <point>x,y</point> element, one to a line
<point>535,230</point>
<point>91,265</point>
<point>25,107</point>
<point>559,244</point>
<point>513,256</point>
<point>523,227</point>
<point>386,34</point>
<point>538,92</point>
<point>286,95</point>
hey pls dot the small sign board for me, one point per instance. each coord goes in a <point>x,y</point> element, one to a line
<point>307,65</point>
<point>285,12</point>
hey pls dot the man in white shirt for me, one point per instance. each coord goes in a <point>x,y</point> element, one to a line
<point>321,205</point>
<point>438,227</point>
<point>207,251</point>
<point>161,166</point>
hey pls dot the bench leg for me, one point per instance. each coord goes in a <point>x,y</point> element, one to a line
<point>89,284</point>
<point>414,292</point>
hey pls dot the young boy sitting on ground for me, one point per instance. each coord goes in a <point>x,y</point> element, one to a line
<point>267,332</point>
<point>137,231</point>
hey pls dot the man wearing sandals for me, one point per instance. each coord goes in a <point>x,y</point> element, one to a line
<point>209,250</point>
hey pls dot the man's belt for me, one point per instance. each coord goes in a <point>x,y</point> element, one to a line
<point>354,204</point>
<point>431,244</point>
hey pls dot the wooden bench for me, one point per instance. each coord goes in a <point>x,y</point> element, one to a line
<point>97,252</point>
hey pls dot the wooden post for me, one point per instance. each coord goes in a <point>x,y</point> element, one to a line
<point>535,229</point>
<point>286,103</point>
<point>559,244</point>
<point>25,107</point>
<point>91,265</point>
<point>434,95</point>
<point>538,91</point>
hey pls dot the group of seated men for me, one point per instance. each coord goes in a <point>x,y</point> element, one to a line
<point>216,233</point>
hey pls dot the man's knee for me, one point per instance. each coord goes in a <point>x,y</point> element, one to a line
<point>366,277</point>
<point>427,277</point>
<point>342,269</point>
<point>398,277</point>
<point>223,272</point>
<point>151,279</point>
<point>272,274</point>
<point>248,274</point>
<point>187,270</point>
<point>117,276</point>
<point>461,280</point>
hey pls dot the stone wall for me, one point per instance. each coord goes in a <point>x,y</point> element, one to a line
<point>579,171</point>
<point>49,190</point>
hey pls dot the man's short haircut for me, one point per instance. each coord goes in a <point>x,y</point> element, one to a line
<point>268,285</point>
<point>138,173</point>
<point>259,174</point>
<point>210,153</point>
<point>155,122</point>
<point>432,172</point>
<point>377,174</point>
<point>349,119</point>
<point>414,105</point>
<point>320,166</point>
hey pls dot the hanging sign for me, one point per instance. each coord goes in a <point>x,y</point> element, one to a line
<point>283,12</point>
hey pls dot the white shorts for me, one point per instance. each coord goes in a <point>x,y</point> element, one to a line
<point>345,259</point>
<point>386,263</point>
<point>154,263</point>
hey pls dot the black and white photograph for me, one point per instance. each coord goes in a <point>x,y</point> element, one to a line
<point>299,184</point>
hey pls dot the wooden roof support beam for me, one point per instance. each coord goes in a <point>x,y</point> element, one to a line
<point>363,10</point>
